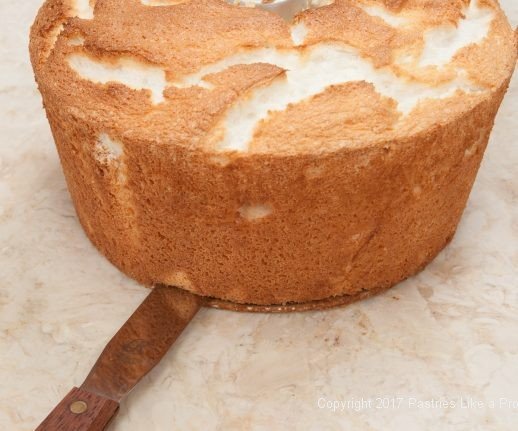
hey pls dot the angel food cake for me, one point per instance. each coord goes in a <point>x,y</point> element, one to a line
<point>262,160</point>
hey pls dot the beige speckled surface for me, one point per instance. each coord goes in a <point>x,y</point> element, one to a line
<point>452,331</point>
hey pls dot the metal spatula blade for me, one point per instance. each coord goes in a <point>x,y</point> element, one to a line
<point>287,9</point>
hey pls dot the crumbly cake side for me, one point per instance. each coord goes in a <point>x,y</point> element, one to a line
<point>246,158</point>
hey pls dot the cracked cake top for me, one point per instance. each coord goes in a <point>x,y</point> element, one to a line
<point>225,78</point>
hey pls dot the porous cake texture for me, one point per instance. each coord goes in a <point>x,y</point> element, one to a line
<point>241,156</point>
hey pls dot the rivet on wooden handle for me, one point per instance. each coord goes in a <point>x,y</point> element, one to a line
<point>80,410</point>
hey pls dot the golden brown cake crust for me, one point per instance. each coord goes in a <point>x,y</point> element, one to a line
<point>374,201</point>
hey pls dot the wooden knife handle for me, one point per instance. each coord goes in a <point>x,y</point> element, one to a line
<point>80,410</point>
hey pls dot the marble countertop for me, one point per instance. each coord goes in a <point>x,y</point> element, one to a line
<point>447,336</point>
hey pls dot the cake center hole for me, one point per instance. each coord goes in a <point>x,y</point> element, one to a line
<point>287,9</point>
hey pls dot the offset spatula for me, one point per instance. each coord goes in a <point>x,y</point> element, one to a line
<point>134,350</point>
